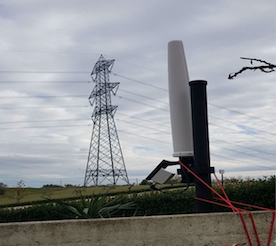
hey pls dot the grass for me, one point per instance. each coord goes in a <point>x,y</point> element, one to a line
<point>37,194</point>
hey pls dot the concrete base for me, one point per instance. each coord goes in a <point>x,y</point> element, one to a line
<point>175,230</point>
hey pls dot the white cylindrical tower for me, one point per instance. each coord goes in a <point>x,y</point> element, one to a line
<point>180,101</point>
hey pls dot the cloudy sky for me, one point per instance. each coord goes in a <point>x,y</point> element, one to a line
<point>48,50</point>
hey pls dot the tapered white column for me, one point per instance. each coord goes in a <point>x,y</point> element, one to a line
<point>180,100</point>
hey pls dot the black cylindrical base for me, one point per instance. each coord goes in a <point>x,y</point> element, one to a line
<point>201,143</point>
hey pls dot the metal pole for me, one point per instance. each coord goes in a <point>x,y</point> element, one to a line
<point>221,171</point>
<point>201,143</point>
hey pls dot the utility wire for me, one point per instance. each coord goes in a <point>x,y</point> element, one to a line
<point>233,96</point>
<point>26,107</point>
<point>42,96</point>
<point>25,127</point>
<point>238,112</point>
<point>235,111</point>
<point>265,167</point>
<point>241,162</point>
<point>140,82</point>
<point>150,98</point>
<point>139,118</point>
<point>255,136</point>
<point>82,53</point>
<point>131,100</point>
<point>240,152</point>
<point>263,158</point>
<point>52,96</point>
<point>239,145</point>
<point>209,123</point>
<point>141,104</point>
<point>45,72</point>
<point>31,121</point>
<point>50,52</point>
<point>47,82</point>
<point>143,126</point>
<point>235,123</point>
<point>137,135</point>
<point>166,132</point>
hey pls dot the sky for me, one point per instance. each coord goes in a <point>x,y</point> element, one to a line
<point>49,48</point>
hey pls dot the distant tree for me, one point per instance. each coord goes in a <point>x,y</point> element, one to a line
<point>69,186</point>
<point>176,179</point>
<point>3,189</point>
<point>19,191</point>
<point>52,186</point>
<point>267,68</point>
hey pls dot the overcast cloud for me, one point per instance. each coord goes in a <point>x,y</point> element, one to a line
<point>46,127</point>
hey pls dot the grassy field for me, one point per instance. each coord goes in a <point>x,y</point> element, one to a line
<point>36,194</point>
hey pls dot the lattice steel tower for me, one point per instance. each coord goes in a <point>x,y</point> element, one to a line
<point>105,159</point>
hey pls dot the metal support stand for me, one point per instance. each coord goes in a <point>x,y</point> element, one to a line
<point>201,143</point>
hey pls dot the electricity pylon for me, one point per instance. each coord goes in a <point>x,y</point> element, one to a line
<point>105,159</point>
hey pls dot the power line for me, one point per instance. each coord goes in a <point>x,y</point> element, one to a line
<point>25,107</point>
<point>238,112</point>
<point>131,100</point>
<point>243,162</point>
<point>39,81</point>
<point>240,152</point>
<point>212,138</point>
<point>31,127</point>
<point>79,53</point>
<point>42,96</point>
<point>137,135</point>
<point>139,118</point>
<point>65,96</point>
<point>138,103</point>
<point>144,126</point>
<point>140,82</point>
<point>50,52</point>
<point>168,111</point>
<point>235,111</point>
<point>234,96</point>
<point>31,121</point>
<point>265,167</point>
<point>247,134</point>
<point>166,132</point>
<point>128,100</point>
<point>144,96</point>
<point>235,123</point>
<point>264,152</point>
<point>218,140</point>
<point>44,72</point>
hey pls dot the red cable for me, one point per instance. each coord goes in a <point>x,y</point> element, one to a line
<point>225,200</point>
<point>251,216</point>
<point>221,187</point>
<point>230,205</point>
<point>261,208</point>
<point>190,171</point>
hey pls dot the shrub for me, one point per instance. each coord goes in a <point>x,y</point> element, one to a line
<point>259,192</point>
<point>3,189</point>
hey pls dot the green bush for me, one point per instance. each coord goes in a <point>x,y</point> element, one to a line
<point>259,192</point>
<point>35,213</point>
